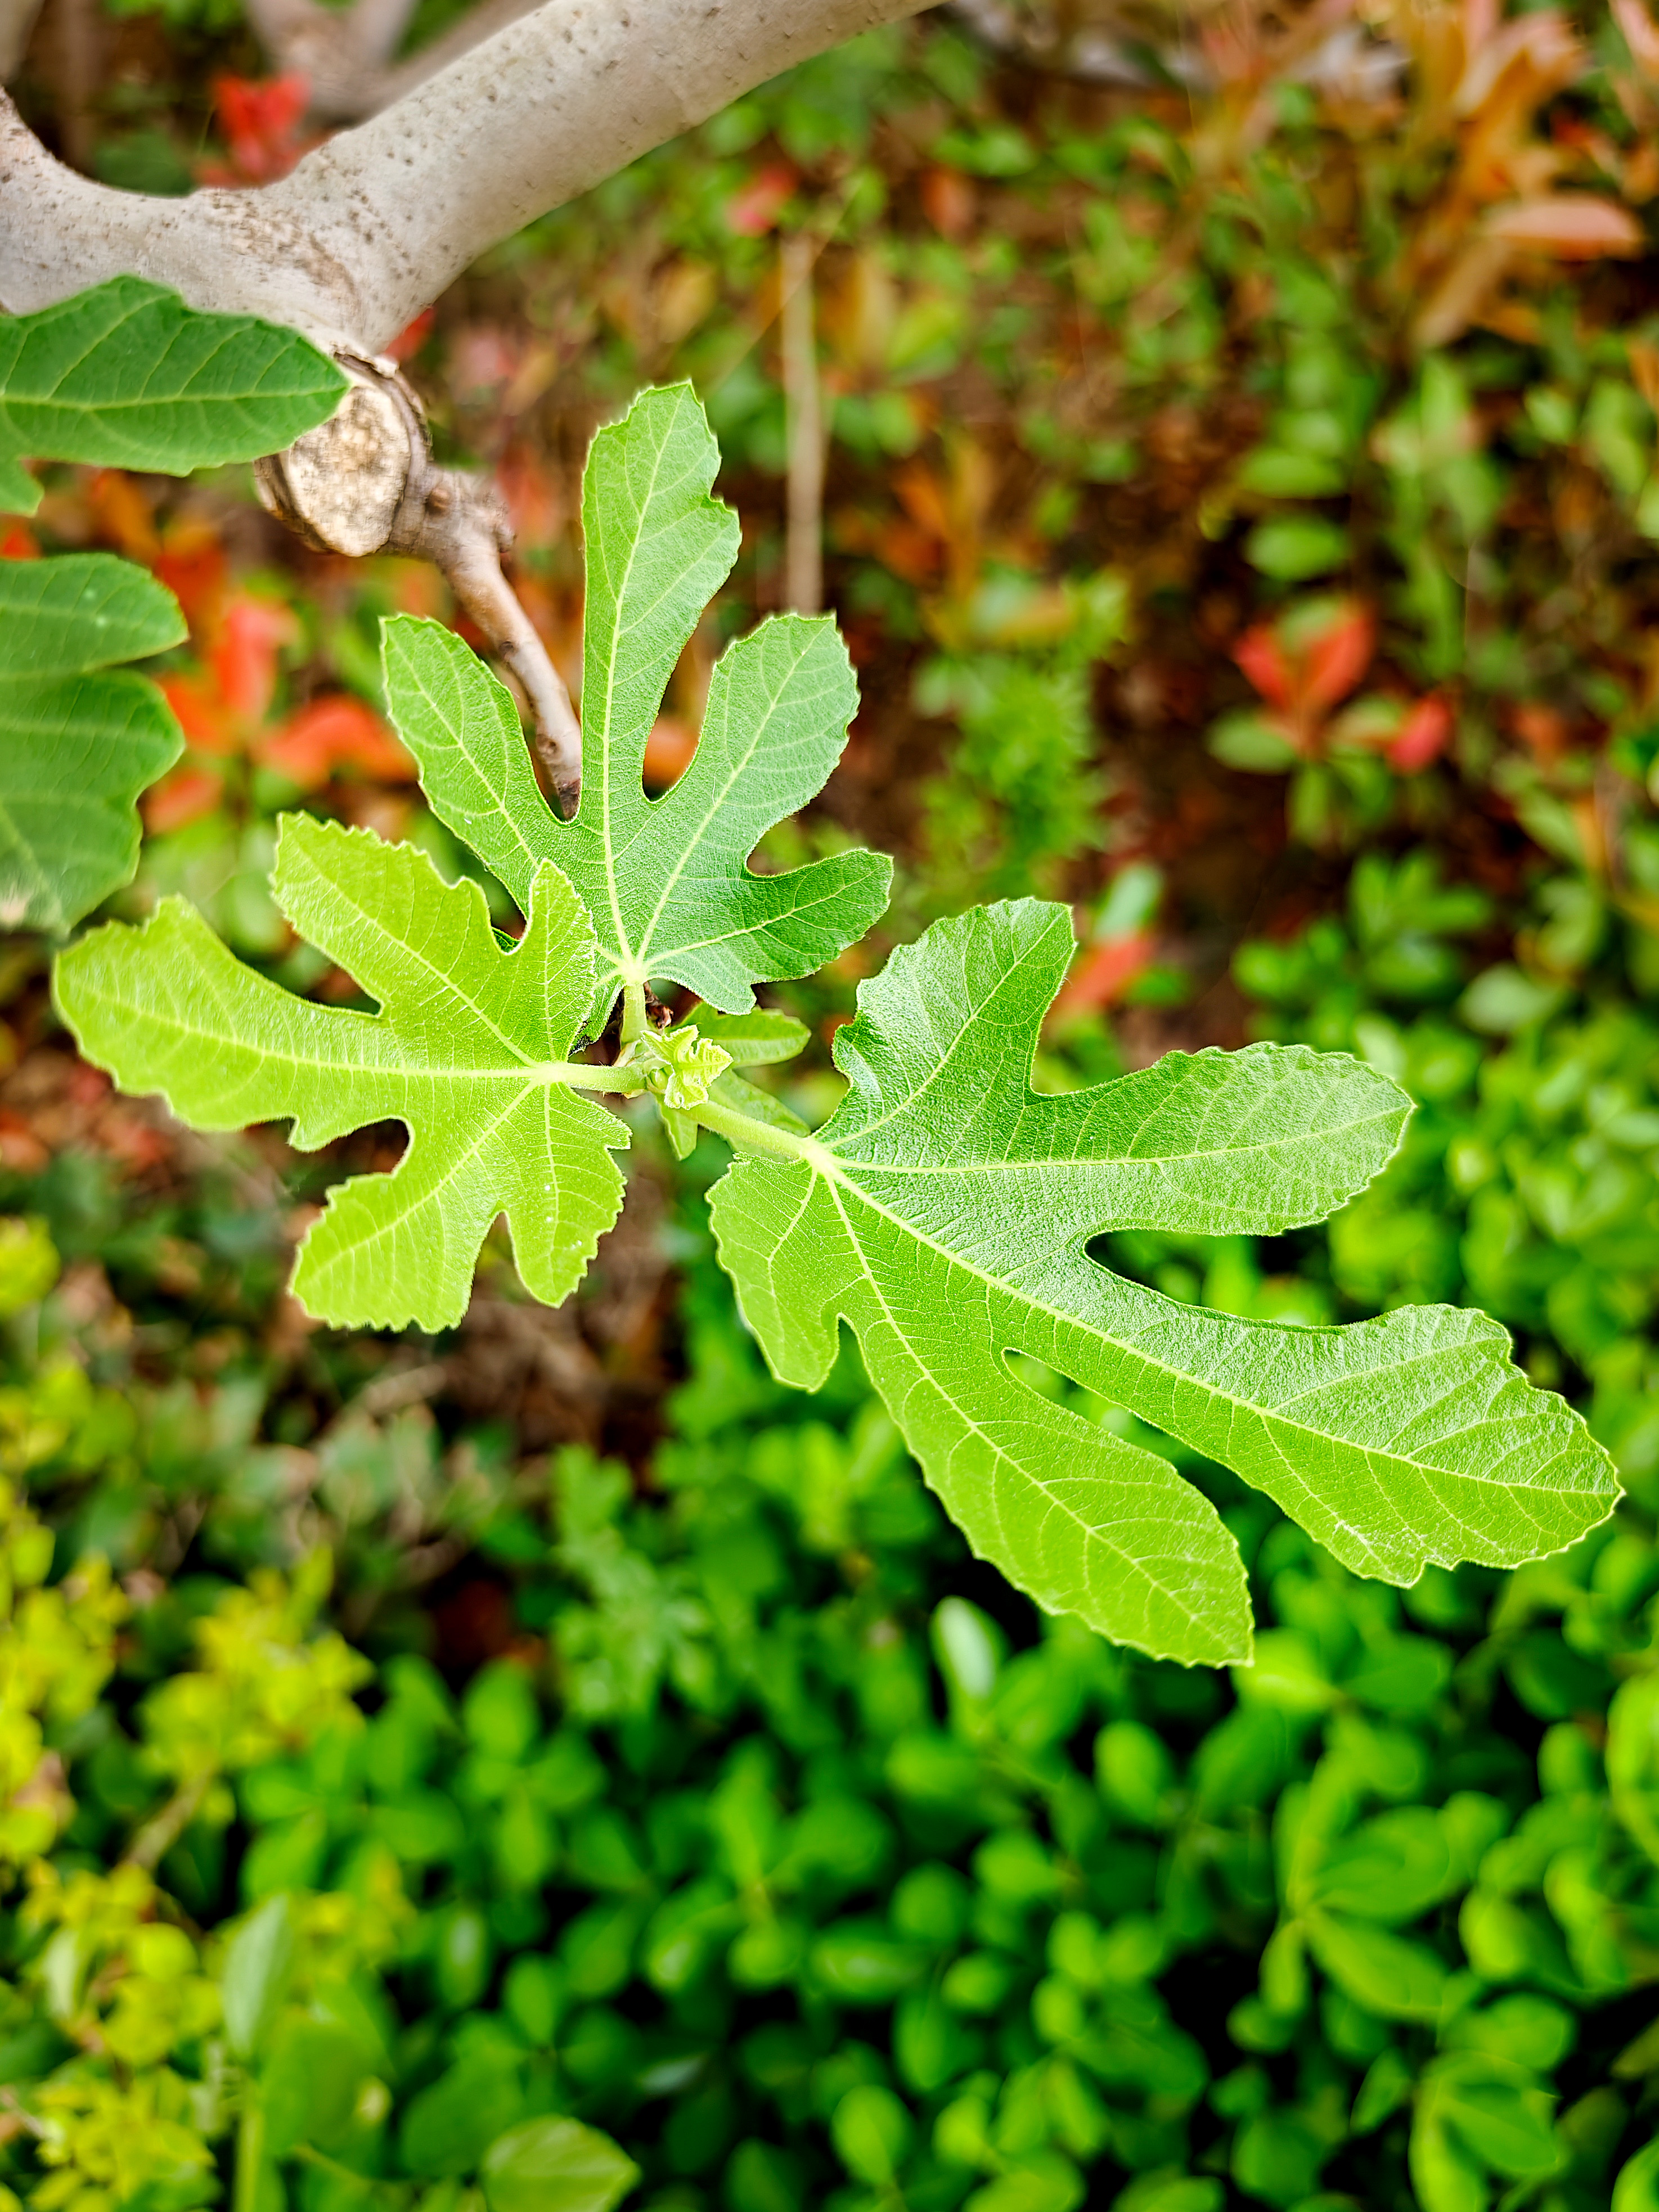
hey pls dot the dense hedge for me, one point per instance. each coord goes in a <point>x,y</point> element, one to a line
<point>787,1846</point>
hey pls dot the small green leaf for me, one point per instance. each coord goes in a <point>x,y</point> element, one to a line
<point>551,2164</point>
<point>1392,1869</point>
<point>1386,2087</point>
<point>1498,2113</point>
<point>758,1039</point>
<point>257,1962</point>
<point>468,1051</point>
<point>946,1212</point>
<point>29,1265</point>
<point>694,1065</point>
<point>665,879</point>
<point>127,376</point>
<point>1291,548</point>
<point>451,2123</point>
<point>77,745</point>
<point>1637,2189</point>
<point>872,2134</point>
<point>861,1964</point>
<point>1389,1975</point>
<point>310,2082</point>
<point>1248,740</point>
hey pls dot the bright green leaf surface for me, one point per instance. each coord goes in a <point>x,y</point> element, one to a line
<point>127,376</point>
<point>1389,1975</point>
<point>468,1051</point>
<point>257,1962</point>
<point>83,610</point>
<point>552,2164</point>
<point>946,1211</point>
<point>76,746</point>
<point>665,879</point>
<point>759,1039</point>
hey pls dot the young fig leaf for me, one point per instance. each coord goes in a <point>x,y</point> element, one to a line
<point>127,376</point>
<point>78,739</point>
<point>468,1051</point>
<point>946,1212</point>
<point>760,1039</point>
<point>665,880</point>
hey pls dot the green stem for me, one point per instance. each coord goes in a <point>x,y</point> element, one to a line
<point>579,1075</point>
<point>373,2183</point>
<point>744,1134</point>
<point>634,1021</point>
<point>250,2151</point>
<point>159,1834</point>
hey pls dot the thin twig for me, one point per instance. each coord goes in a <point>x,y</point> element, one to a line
<point>366,481</point>
<point>163,1830</point>
<point>803,400</point>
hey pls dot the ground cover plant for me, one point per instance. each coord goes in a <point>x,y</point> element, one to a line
<point>743,1817</point>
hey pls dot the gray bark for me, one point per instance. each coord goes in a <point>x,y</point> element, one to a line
<point>372,226</point>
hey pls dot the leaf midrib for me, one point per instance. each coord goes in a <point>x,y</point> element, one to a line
<point>1009,1162</point>
<point>625,951</point>
<point>740,763</point>
<point>1088,1535</point>
<point>563,1074</point>
<point>147,399</point>
<point>1269,1417</point>
<point>739,929</point>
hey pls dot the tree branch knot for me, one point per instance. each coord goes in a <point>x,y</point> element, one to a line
<point>365,482</point>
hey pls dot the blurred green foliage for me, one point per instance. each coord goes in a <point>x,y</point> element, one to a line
<point>808,1877</point>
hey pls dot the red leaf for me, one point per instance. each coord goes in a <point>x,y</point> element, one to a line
<point>1422,736</point>
<point>755,209</point>
<point>1105,973</point>
<point>1542,730</point>
<point>191,564</point>
<point>1338,658</point>
<point>125,518</point>
<point>184,795</point>
<point>948,201</point>
<point>262,123</point>
<point>313,745</point>
<point>1308,659</point>
<point>1259,654</point>
<point>410,340</point>
<point>201,713</point>
<point>18,543</point>
<point>244,659</point>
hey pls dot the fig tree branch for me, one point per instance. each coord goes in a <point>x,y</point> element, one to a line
<point>343,53</point>
<point>371,226</point>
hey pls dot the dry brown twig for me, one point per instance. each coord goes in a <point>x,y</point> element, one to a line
<point>365,482</point>
<point>803,397</point>
<point>1134,42</point>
